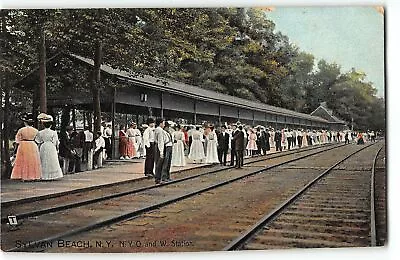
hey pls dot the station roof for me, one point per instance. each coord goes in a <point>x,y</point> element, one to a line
<point>175,87</point>
<point>179,88</point>
<point>323,112</point>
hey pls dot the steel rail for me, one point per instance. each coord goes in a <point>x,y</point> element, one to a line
<point>121,194</point>
<point>143,210</point>
<point>372,200</point>
<point>80,190</point>
<point>240,241</point>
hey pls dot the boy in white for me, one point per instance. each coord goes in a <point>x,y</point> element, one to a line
<point>100,144</point>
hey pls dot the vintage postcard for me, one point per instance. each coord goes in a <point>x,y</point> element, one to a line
<point>146,130</point>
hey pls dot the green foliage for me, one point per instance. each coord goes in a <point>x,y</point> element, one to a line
<point>230,50</point>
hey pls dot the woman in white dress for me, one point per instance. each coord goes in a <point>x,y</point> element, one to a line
<point>212,145</point>
<point>271,138</point>
<point>48,141</point>
<point>305,138</point>
<point>284,142</point>
<point>197,149</point>
<point>178,149</point>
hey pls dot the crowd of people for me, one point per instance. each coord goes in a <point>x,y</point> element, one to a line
<point>42,155</point>
<point>47,155</point>
<point>169,144</point>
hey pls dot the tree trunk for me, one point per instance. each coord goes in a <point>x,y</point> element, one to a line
<point>74,118</point>
<point>35,105</point>
<point>42,74</point>
<point>96,87</point>
<point>5,163</point>
<point>5,135</point>
<point>65,118</point>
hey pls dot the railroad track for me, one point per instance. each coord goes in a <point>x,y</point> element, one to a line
<point>336,209</point>
<point>49,204</point>
<point>211,219</point>
<point>380,198</point>
<point>83,218</point>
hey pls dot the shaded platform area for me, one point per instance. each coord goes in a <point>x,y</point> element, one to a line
<point>112,172</point>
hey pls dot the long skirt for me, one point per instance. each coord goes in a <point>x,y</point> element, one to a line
<point>27,162</point>
<point>271,141</point>
<point>123,146</point>
<point>139,147</point>
<point>49,159</point>
<point>252,145</point>
<point>305,141</point>
<point>196,151</point>
<point>90,160</point>
<point>212,152</point>
<point>131,147</point>
<point>178,154</point>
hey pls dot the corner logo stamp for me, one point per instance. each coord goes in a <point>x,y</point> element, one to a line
<point>12,222</point>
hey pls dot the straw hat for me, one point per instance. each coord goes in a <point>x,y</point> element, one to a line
<point>48,118</point>
<point>41,116</point>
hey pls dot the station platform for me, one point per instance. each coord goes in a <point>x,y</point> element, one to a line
<point>116,171</point>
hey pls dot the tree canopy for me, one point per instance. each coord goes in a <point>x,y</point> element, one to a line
<point>235,51</point>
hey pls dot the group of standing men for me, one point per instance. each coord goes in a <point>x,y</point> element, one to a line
<point>163,146</point>
<point>158,144</point>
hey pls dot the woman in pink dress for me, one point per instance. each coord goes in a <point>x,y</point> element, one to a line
<point>252,145</point>
<point>123,143</point>
<point>131,134</point>
<point>27,165</point>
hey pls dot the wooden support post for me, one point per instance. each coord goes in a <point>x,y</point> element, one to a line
<point>195,113</point>
<point>162,107</point>
<point>74,118</point>
<point>219,115</point>
<point>42,73</point>
<point>113,107</point>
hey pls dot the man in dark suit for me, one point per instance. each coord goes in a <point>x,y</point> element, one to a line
<point>233,149</point>
<point>266,138</point>
<point>263,141</point>
<point>65,148</point>
<point>223,145</point>
<point>278,140</point>
<point>238,138</point>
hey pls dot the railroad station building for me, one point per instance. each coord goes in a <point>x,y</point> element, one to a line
<point>324,112</point>
<point>127,97</point>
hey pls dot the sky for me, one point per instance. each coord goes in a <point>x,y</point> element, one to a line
<point>352,37</point>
